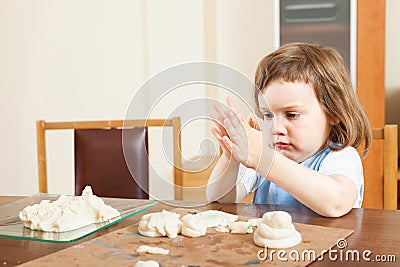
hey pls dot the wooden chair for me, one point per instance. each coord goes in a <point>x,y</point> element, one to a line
<point>89,131</point>
<point>390,164</point>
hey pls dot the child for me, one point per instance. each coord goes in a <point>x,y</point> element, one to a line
<point>303,152</point>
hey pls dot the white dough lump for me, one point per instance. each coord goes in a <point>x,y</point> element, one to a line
<point>214,218</point>
<point>276,230</point>
<point>194,226</point>
<point>163,223</point>
<point>67,213</point>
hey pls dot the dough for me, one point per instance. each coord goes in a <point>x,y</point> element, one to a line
<point>149,263</point>
<point>194,226</point>
<point>67,213</point>
<point>163,223</point>
<point>276,230</point>
<point>254,221</point>
<point>222,229</point>
<point>152,250</point>
<point>214,218</point>
<point>241,227</point>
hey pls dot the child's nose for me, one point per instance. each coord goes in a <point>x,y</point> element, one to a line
<point>279,127</point>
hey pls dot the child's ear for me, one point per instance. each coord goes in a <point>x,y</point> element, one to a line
<point>333,121</point>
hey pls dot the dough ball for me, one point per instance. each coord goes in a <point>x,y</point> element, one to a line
<point>277,219</point>
<point>288,242</point>
<point>276,230</point>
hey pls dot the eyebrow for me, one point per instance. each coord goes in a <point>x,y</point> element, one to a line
<point>291,106</point>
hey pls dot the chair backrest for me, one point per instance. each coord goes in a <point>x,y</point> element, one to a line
<point>388,182</point>
<point>91,130</point>
<point>100,162</point>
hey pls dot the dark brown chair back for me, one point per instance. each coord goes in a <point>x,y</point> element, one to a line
<point>100,162</point>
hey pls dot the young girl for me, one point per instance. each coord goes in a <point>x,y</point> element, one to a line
<point>303,152</point>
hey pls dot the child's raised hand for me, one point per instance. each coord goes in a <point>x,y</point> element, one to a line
<point>219,131</point>
<point>242,139</point>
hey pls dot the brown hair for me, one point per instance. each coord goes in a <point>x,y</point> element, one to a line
<point>324,69</point>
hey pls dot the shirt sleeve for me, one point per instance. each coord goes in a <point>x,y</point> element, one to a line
<point>248,177</point>
<point>346,162</point>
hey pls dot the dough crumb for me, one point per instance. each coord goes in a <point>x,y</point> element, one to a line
<point>152,250</point>
<point>148,263</point>
<point>241,227</point>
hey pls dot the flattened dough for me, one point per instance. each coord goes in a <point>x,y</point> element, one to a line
<point>157,224</point>
<point>193,226</point>
<point>152,250</point>
<point>214,218</point>
<point>241,227</point>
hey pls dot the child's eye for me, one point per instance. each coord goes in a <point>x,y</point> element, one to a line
<point>268,116</point>
<point>292,115</point>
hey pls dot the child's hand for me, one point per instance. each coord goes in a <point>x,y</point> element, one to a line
<point>243,139</point>
<point>219,131</point>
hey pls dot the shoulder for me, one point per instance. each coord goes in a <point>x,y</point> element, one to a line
<point>348,155</point>
<point>346,162</point>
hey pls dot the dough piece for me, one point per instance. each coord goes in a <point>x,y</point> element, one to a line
<point>157,224</point>
<point>149,263</point>
<point>222,229</point>
<point>276,230</point>
<point>241,227</point>
<point>255,221</point>
<point>193,226</point>
<point>67,213</point>
<point>215,218</point>
<point>152,250</point>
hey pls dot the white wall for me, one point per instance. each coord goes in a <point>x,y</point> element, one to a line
<point>85,59</point>
<point>62,60</point>
<point>392,62</point>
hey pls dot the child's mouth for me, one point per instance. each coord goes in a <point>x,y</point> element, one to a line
<point>281,145</point>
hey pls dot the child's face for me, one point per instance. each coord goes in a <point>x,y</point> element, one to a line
<point>296,125</point>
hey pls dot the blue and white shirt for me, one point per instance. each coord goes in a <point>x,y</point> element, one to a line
<point>346,162</point>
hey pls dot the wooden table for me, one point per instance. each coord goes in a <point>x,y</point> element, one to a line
<point>375,230</point>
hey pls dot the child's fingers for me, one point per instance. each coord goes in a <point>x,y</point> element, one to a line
<point>253,122</point>
<point>217,134</point>
<point>220,110</point>
<point>234,119</point>
<point>228,143</point>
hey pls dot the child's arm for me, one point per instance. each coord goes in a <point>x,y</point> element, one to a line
<point>222,185</point>
<point>328,195</point>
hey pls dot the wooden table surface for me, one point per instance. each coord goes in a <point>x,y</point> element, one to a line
<point>374,230</point>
